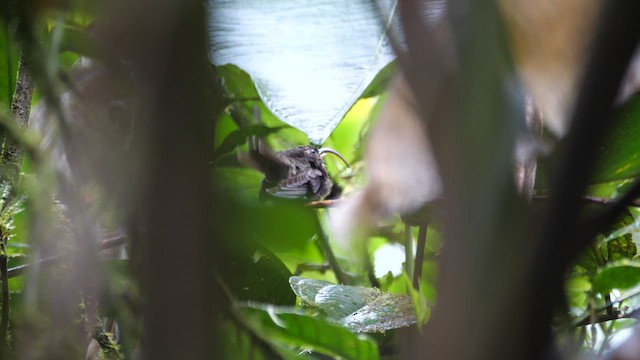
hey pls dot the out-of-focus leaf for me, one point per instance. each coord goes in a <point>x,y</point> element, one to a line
<point>620,243</point>
<point>237,83</point>
<point>381,82</point>
<point>9,55</point>
<point>239,137</point>
<point>612,245</point>
<point>289,327</point>
<point>78,41</point>
<point>579,283</point>
<point>577,287</point>
<point>239,343</point>
<point>317,62</point>
<point>419,302</point>
<point>262,278</point>
<point>620,154</point>
<point>278,226</point>
<point>347,138</point>
<point>621,275</point>
<point>359,309</point>
<point>621,248</point>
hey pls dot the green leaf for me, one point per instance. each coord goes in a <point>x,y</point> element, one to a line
<point>262,278</point>
<point>280,226</point>
<point>288,327</point>
<point>620,154</point>
<point>577,287</point>
<point>359,309</point>
<point>321,59</point>
<point>612,245</point>
<point>78,41</point>
<point>620,243</point>
<point>239,137</point>
<point>241,343</point>
<point>9,55</point>
<point>419,302</point>
<point>622,275</point>
<point>237,83</point>
<point>578,284</point>
<point>337,301</point>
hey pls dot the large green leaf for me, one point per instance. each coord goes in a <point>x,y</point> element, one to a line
<point>287,327</point>
<point>262,278</point>
<point>310,60</point>
<point>622,275</point>
<point>359,309</point>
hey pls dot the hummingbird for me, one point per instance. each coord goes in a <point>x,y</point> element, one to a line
<point>298,173</point>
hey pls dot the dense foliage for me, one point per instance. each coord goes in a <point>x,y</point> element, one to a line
<point>131,226</point>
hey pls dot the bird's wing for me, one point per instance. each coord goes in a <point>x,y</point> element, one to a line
<point>260,157</point>
<point>298,186</point>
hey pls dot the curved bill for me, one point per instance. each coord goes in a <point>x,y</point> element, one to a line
<point>323,151</point>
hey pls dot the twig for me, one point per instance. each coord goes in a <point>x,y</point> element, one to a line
<point>321,204</point>
<point>408,251</point>
<point>371,274</point>
<point>417,269</point>
<point>585,317</point>
<point>616,208</point>
<point>604,318</point>
<point>607,298</point>
<point>304,267</point>
<point>322,241</point>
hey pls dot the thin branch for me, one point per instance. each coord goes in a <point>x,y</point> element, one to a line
<point>371,274</point>
<point>305,267</point>
<point>322,204</point>
<point>591,320</point>
<point>408,251</point>
<point>617,207</point>
<point>417,269</point>
<point>322,241</point>
<point>585,317</point>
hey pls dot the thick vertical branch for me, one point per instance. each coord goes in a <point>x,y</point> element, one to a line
<point>174,213</point>
<point>470,123</point>
<point>561,239</point>
<point>20,108</point>
<point>11,164</point>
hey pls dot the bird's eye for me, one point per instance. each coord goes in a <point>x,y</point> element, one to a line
<point>313,151</point>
